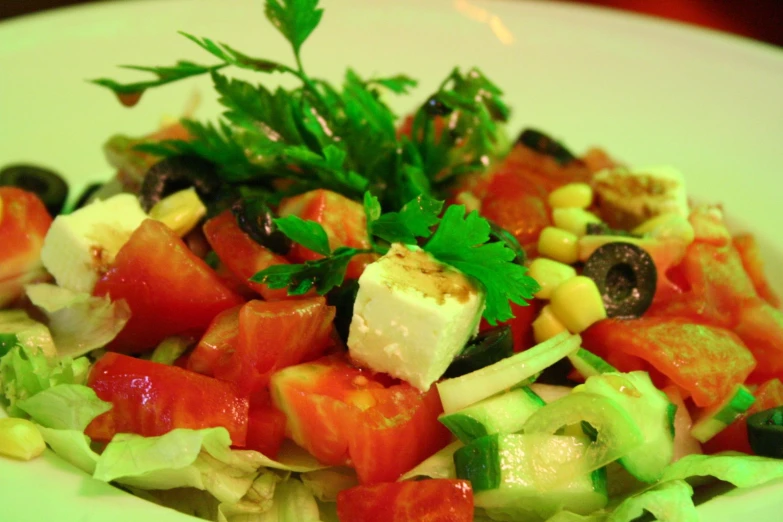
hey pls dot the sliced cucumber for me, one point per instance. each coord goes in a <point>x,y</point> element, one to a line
<point>651,411</point>
<point>716,418</point>
<point>504,413</point>
<point>460,392</point>
<point>588,364</point>
<point>616,433</point>
<point>512,476</point>
<point>550,392</point>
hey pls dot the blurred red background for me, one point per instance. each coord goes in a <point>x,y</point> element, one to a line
<point>758,19</point>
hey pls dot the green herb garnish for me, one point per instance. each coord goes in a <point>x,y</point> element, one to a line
<point>346,140</point>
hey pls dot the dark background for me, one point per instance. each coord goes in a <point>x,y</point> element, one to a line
<point>758,19</point>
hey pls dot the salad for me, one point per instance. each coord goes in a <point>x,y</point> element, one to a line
<point>308,311</point>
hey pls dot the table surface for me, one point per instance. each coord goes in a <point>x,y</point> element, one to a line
<point>758,19</point>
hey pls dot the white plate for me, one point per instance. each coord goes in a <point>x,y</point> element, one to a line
<point>650,92</point>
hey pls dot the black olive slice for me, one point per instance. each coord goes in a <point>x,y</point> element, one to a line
<point>256,219</point>
<point>543,144</point>
<point>343,298</point>
<point>765,432</point>
<point>177,173</point>
<point>488,347</point>
<point>86,194</point>
<point>49,186</point>
<point>499,233</point>
<point>625,275</point>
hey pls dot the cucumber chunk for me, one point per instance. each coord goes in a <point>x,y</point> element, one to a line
<point>504,413</point>
<point>588,364</point>
<point>651,411</point>
<point>616,432</point>
<point>716,418</point>
<point>512,476</point>
<point>459,392</point>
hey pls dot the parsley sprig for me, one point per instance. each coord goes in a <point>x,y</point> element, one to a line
<point>460,241</point>
<point>346,139</point>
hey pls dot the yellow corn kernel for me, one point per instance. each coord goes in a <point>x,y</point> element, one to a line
<point>574,220</point>
<point>547,325</point>
<point>573,195</point>
<point>180,211</point>
<point>577,303</point>
<point>20,439</point>
<point>549,274</point>
<point>559,244</point>
<point>668,226</point>
<point>470,201</point>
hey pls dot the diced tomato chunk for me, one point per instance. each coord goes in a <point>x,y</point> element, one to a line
<point>345,415</point>
<point>265,426</point>
<point>749,251</point>
<point>432,500</point>
<point>735,436</point>
<point>704,361</point>
<point>151,399</point>
<point>218,343</point>
<point>760,326</point>
<point>24,222</point>
<point>343,220</point>
<point>274,335</point>
<point>241,254</point>
<point>168,289</point>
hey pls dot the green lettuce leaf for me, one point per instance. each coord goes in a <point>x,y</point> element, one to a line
<point>79,322</point>
<point>16,327</point>
<point>72,446</point>
<point>25,372</point>
<point>64,407</point>
<point>668,502</point>
<point>744,471</point>
<point>170,349</point>
<point>325,484</point>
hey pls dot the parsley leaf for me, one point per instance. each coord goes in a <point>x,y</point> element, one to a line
<point>399,84</point>
<point>461,241</point>
<point>414,220</point>
<point>309,234</point>
<point>295,19</point>
<point>323,274</point>
<point>182,69</point>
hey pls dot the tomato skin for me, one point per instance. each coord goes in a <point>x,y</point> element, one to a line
<point>217,343</point>
<point>343,220</point>
<point>749,252</point>
<point>760,326</point>
<point>735,436</point>
<point>704,361</point>
<point>431,500</point>
<point>265,426</point>
<point>24,222</point>
<point>241,254</point>
<point>345,415</point>
<point>151,399</point>
<point>168,289</point>
<point>273,335</point>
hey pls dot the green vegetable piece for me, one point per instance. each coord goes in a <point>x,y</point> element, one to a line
<point>589,364</point>
<point>717,417</point>
<point>765,432</point>
<point>309,234</point>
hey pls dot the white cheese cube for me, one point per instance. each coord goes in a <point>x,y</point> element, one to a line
<point>412,316</point>
<point>627,198</point>
<point>81,246</point>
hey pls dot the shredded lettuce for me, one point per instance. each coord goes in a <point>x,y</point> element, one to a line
<point>73,446</point>
<point>325,484</point>
<point>744,471</point>
<point>16,327</point>
<point>668,502</point>
<point>170,349</point>
<point>64,407</point>
<point>79,322</point>
<point>25,372</point>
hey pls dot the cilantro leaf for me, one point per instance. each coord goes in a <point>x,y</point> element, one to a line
<point>180,70</point>
<point>461,241</point>
<point>415,219</point>
<point>295,19</point>
<point>309,234</point>
<point>323,274</point>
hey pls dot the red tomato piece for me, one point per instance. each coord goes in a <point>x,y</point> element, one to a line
<point>735,436</point>
<point>346,415</point>
<point>760,326</point>
<point>274,335</point>
<point>168,289</point>
<point>704,361</point>
<point>241,255</point>
<point>217,344</point>
<point>265,426</point>
<point>24,222</point>
<point>432,500</point>
<point>151,399</point>
<point>342,219</point>
<point>748,249</point>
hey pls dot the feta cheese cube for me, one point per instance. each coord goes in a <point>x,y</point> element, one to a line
<point>81,246</point>
<point>412,316</point>
<point>627,198</point>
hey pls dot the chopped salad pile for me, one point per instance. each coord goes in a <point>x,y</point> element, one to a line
<point>311,311</point>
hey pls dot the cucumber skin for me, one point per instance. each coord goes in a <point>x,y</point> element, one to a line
<point>478,463</point>
<point>464,427</point>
